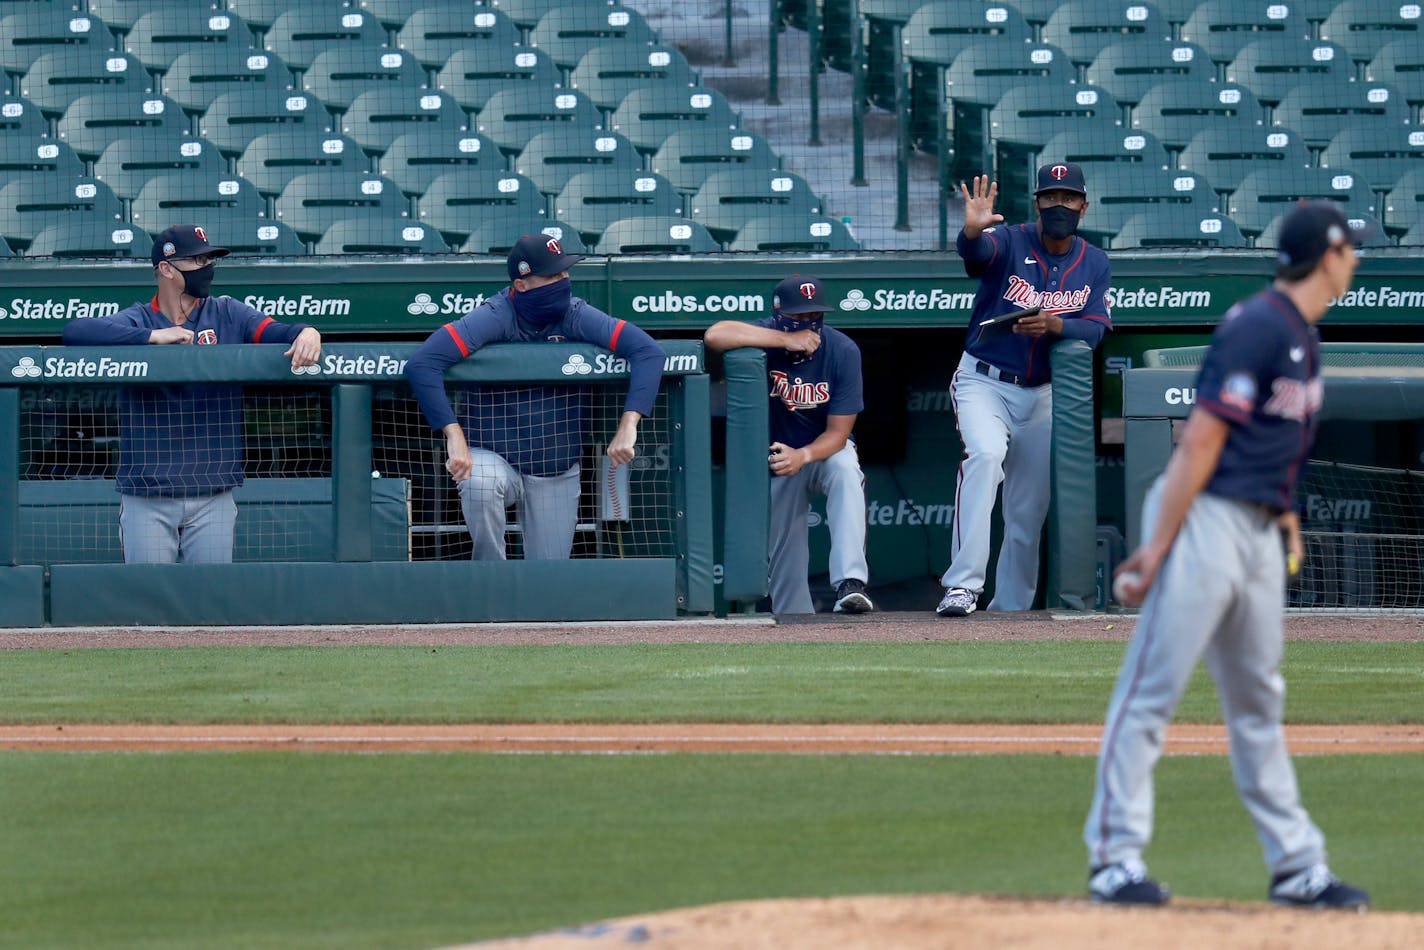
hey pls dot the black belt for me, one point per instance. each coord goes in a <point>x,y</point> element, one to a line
<point>993,372</point>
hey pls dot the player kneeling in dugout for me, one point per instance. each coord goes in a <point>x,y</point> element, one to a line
<point>815,394</point>
<point>520,445</point>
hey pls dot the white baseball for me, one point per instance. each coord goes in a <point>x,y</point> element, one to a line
<point>1120,585</point>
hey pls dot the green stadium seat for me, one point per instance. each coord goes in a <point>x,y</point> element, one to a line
<point>415,159</point>
<point>29,205</point>
<point>930,40</point>
<point>648,115</point>
<point>1414,238</point>
<point>302,32</point>
<point>272,160</point>
<point>1089,149</point>
<point>20,118</point>
<point>1038,12</point>
<point>337,76</point>
<point>728,200</point>
<point>1171,226</point>
<point>1231,153</point>
<point>1127,70</point>
<point>57,79</point>
<point>475,73</point>
<point>1382,153</point>
<point>160,37</point>
<point>30,155</point>
<point>1223,27</point>
<point>498,236</point>
<point>568,33</point>
<point>248,234</point>
<point>1272,67</point>
<point>1081,28</point>
<point>656,235</point>
<point>314,201</point>
<point>552,158</point>
<point>27,35</point>
<point>127,163</point>
<point>362,236</point>
<point>1028,116</point>
<point>435,33</point>
<point>975,83</point>
<point>593,200</point>
<point>376,119</point>
<point>183,196</point>
<point>608,73</point>
<point>261,14</point>
<point>1400,63</point>
<point>91,122</point>
<point>1404,205</point>
<point>1267,193</point>
<point>86,237</point>
<point>1365,26</point>
<point>1176,111</point>
<point>526,14</point>
<point>686,158</point>
<point>458,201</point>
<point>236,118</point>
<point>884,19</point>
<point>804,234</point>
<point>120,15</point>
<point>195,79</point>
<point>392,14</point>
<point>1358,222</point>
<point>513,117</point>
<point>1320,109</point>
<point>1120,191</point>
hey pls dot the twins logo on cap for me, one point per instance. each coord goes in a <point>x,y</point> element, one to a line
<point>553,245</point>
<point>808,290</point>
<point>202,235</point>
<point>1059,172</point>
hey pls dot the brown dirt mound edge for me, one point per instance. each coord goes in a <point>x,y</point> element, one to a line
<point>950,921</point>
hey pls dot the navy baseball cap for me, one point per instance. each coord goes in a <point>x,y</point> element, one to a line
<point>1310,229</point>
<point>797,294</point>
<point>1060,176</point>
<point>182,241</point>
<point>539,255</point>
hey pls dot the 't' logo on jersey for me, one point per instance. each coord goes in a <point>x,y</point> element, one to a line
<point>796,394</point>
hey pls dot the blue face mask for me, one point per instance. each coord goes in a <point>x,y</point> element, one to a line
<point>199,283</point>
<point>789,323</point>
<point>544,306</point>
<point>1058,222</point>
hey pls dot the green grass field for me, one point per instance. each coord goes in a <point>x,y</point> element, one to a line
<point>270,849</point>
<point>1033,681</point>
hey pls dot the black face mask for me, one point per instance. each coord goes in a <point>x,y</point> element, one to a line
<point>197,283</point>
<point>1058,222</point>
<point>788,323</point>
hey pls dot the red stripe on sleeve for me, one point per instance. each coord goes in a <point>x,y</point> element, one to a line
<point>459,343</point>
<point>613,342</point>
<point>261,328</point>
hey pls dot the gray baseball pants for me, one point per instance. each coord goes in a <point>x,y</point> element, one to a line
<point>157,529</point>
<point>548,508</point>
<point>1220,594</point>
<point>840,479</point>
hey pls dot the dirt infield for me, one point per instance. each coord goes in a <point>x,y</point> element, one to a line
<point>950,922</point>
<point>818,628</point>
<point>624,739</point>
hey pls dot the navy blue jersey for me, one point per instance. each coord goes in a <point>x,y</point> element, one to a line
<point>539,430</point>
<point>1016,271</point>
<point>1262,375</point>
<point>803,394</point>
<point>181,440</point>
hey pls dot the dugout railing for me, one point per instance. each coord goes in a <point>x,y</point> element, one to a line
<point>1363,524</point>
<point>347,513</point>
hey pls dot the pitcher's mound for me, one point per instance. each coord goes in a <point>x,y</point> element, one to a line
<point>941,921</point>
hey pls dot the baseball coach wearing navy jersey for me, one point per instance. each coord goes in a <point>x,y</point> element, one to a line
<point>1002,392</point>
<point>180,446</point>
<point>815,394</point>
<point>1212,569</point>
<point>524,442</point>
